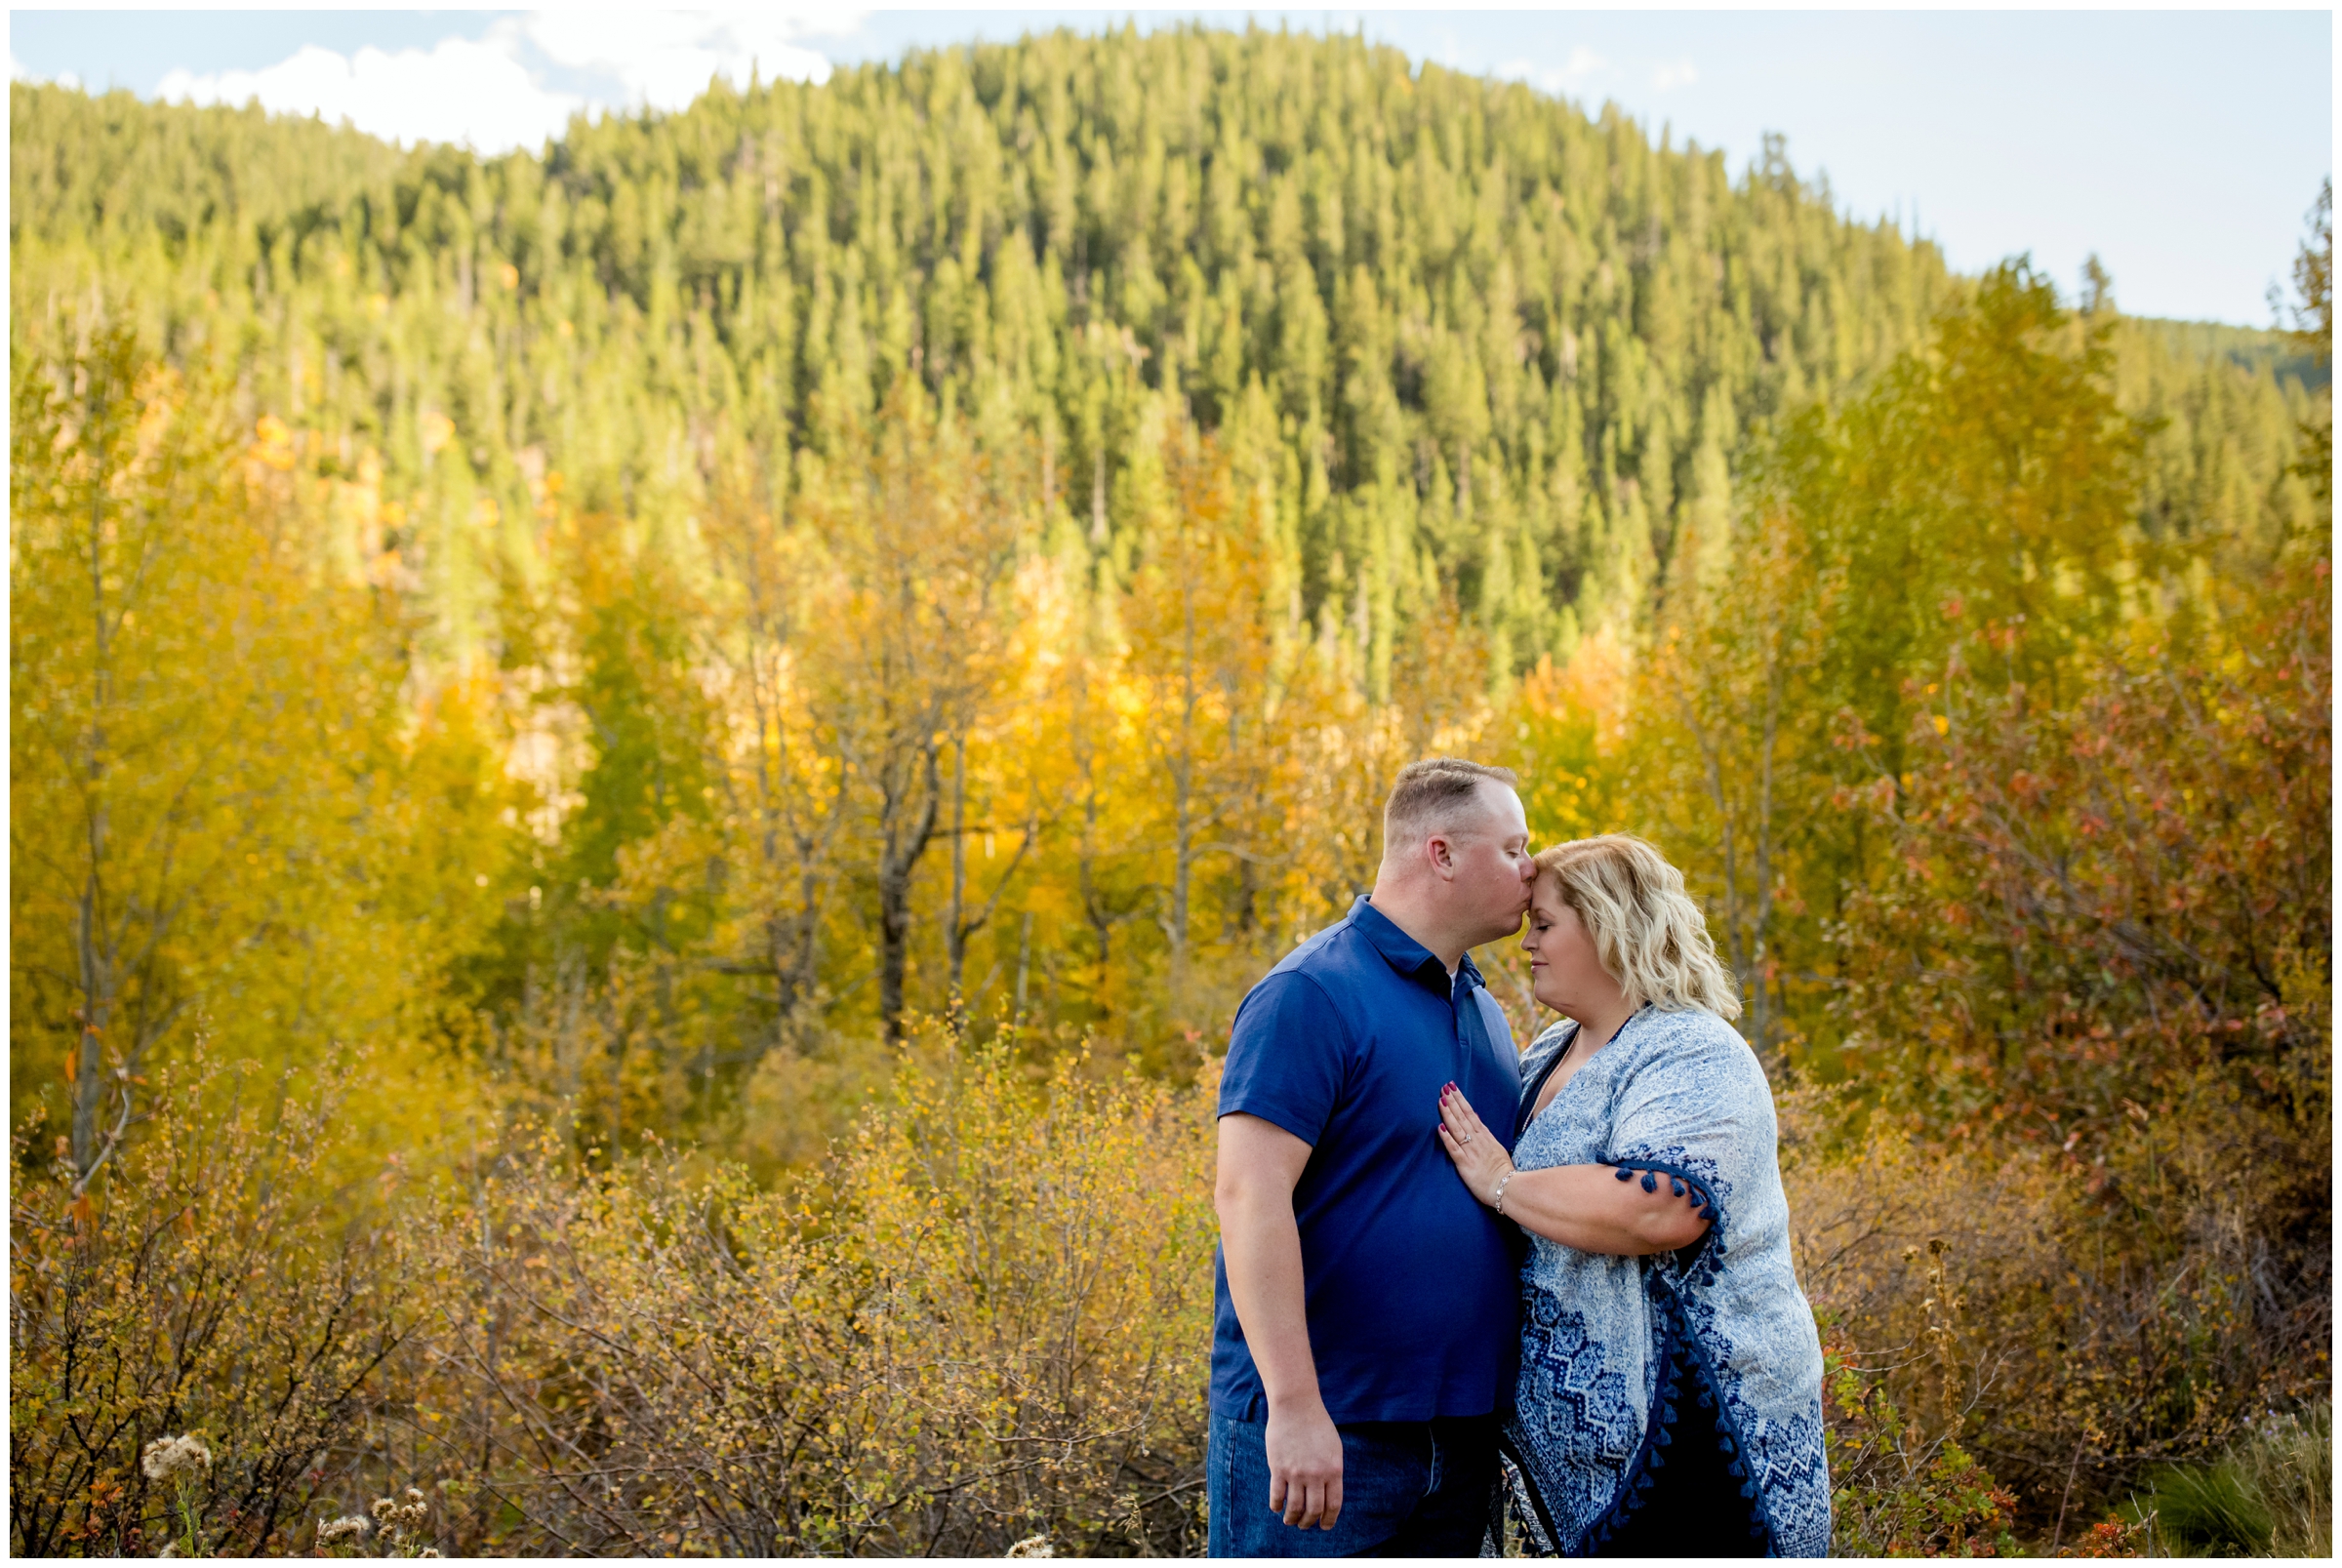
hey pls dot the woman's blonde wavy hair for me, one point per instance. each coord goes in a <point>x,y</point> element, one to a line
<point>1649,934</point>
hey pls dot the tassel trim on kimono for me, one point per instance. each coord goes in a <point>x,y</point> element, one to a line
<point>1683,1361</point>
<point>1703,1259</point>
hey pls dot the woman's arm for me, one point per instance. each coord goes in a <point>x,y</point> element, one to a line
<point>1587,1207</point>
<point>1582,1206</point>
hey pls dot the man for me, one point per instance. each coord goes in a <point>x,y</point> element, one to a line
<point>1366,1336</point>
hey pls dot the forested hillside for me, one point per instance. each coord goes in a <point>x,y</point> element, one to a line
<point>1494,347</point>
<point>1498,347</point>
<point>608,660</point>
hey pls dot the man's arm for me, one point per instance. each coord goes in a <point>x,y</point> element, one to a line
<point>1259,1163</point>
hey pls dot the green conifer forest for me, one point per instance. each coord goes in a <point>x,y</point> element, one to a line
<point>1481,343</point>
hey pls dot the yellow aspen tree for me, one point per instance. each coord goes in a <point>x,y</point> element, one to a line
<point>1199,658</point>
<point>919,534</point>
<point>225,815</point>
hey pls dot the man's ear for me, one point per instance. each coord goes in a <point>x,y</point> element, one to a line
<point>1441,851</point>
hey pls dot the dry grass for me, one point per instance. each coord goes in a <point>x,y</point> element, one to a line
<point>2270,1495</point>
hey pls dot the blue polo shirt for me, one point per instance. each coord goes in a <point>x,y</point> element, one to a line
<point>1410,1282</point>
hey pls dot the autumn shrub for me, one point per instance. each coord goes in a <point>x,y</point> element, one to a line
<point>2086,1015</point>
<point>2000,1308</point>
<point>984,1319</point>
<point>205,1292</point>
<point>1921,1275</point>
<point>2008,1354</point>
<point>981,1320</point>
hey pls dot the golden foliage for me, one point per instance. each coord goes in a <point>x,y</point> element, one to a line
<point>222,805</point>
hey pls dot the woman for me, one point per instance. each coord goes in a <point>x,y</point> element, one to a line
<point>1670,1380</point>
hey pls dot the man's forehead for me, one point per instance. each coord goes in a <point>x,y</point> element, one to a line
<point>1496,810</point>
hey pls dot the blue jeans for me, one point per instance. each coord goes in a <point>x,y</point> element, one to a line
<point>1409,1489</point>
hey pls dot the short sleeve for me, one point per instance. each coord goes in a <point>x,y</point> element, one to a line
<point>1690,1097</point>
<point>1697,1107</point>
<point>1287,1057</point>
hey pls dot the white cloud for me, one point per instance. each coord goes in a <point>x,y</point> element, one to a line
<point>463,91</point>
<point>664,58</point>
<point>1572,75</point>
<point>1584,64</point>
<point>1677,73</point>
<point>18,71</point>
<point>491,93</point>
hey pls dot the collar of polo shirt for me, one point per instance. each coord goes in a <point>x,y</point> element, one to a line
<point>1405,954</point>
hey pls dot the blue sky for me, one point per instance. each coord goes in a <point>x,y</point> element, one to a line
<point>2183,148</point>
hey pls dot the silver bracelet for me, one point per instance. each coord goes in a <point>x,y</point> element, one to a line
<point>1496,1200</point>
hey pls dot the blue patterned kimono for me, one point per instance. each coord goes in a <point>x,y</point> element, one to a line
<point>1669,1405</point>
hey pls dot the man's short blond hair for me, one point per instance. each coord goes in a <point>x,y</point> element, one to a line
<point>1432,794</point>
<point>1648,931</point>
